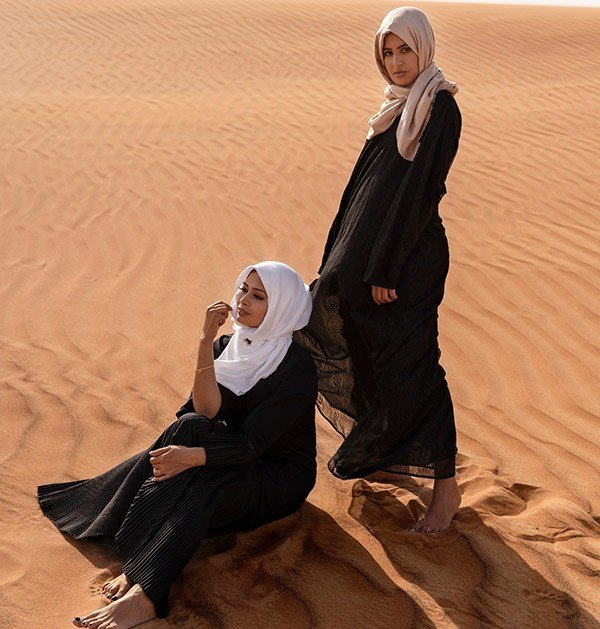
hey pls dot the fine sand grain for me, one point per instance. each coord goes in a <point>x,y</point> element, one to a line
<point>153,148</point>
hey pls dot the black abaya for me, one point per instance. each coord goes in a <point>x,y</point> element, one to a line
<point>380,382</point>
<point>260,467</point>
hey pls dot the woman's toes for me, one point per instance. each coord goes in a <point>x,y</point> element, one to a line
<point>112,587</point>
<point>418,527</point>
<point>86,621</point>
<point>121,591</point>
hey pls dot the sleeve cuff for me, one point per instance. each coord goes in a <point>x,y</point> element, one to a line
<point>229,450</point>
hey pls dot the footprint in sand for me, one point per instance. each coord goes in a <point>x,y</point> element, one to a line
<point>557,602</point>
<point>105,575</point>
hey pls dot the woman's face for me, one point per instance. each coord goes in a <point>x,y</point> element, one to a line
<point>401,63</point>
<point>252,301</point>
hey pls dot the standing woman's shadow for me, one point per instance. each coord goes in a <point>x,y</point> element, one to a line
<point>469,569</point>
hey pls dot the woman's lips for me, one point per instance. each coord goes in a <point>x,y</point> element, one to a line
<point>400,73</point>
<point>242,312</point>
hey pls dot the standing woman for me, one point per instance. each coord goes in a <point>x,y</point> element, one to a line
<point>373,331</point>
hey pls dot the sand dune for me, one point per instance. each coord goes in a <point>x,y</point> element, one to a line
<point>154,148</point>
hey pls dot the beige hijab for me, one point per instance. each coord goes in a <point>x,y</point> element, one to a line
<point>412,104</point>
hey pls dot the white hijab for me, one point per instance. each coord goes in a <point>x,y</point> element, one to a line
<point>241,364</point>
<point>412,104</point>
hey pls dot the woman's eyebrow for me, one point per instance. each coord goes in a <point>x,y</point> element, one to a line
<point>255,288</point>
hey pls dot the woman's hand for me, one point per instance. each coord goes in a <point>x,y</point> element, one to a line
<point>216,315</point>
<point>383,295</point>
<point>172,460</point>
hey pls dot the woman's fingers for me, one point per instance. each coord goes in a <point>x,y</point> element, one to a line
<point>164,476</point>
<point>167,464</point>
<point>220,313</point>
<point>158,475</point>
<point>380,295</point>
<point>159,451</point>
<point>375,294</point>
<point>383,295</point>
<point>220,306</point>
<point>216,313</point>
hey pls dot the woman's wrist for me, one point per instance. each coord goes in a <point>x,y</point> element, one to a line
<point>206,341</point>
<point>205,353</point>
<point>197,457</point>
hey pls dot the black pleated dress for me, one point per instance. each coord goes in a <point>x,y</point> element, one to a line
<point>380,381</point>
<point>260,467</point>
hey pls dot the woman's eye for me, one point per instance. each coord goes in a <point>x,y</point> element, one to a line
<point>406,50</point>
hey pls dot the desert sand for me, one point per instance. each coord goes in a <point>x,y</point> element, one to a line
<point>153,148</point>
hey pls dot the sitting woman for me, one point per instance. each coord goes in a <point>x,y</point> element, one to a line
<point>242,453</point>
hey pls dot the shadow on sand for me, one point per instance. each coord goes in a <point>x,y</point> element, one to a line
<point>471,572</point>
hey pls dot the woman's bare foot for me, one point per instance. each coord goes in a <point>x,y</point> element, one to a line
<point>117,587</point>
<point>444,504</point>
<point>130,610</point>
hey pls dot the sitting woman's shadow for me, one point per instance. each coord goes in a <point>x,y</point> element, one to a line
<point>302,571</point>
<point>470,571</point>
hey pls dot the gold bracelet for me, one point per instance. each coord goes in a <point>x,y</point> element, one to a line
<point>203,368</point>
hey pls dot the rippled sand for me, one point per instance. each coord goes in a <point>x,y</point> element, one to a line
<point>152,149</point>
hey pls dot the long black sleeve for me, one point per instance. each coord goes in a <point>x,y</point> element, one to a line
<point>267,422</point>
<point>419,194</point>
<point>344,201</point>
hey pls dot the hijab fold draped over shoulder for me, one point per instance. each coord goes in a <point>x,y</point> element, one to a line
<point>413,103</point>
